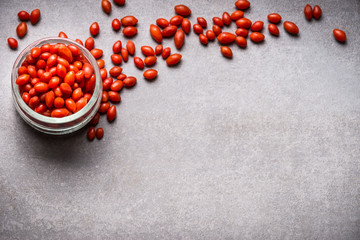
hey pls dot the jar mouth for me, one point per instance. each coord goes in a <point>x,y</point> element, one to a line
<point>24,109</point>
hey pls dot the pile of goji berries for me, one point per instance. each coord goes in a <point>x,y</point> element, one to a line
<point>55,83</point>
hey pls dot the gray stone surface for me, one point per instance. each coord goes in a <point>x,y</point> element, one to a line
<point>263,146</point>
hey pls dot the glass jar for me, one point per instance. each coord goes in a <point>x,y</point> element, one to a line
<point>51,125</point>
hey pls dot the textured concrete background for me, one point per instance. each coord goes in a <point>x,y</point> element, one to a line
<point>263,146</point>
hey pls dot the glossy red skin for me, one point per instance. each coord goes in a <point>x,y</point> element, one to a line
<point>60,113</point>
<point>107,83</point>
<point>130,31</point>
<point>116,59</point>
<point>22,70</point>
<point>65,88</point>
<point>100,63</point>
<point>23,79</point>
<point>34,102</point>
<point>226,51</point>
<point>94,29</point>
<point>61,70</point>
<point>120,2</point>
<point>130,46</point>
<point>97,53</point>
<point>241,41</point>
<point>116,24</point>
<point>49,99</point>
<point>308,12</point>
<point>26,97</point>
<point>115,71</point>
<point>203,39</point>
<point>168,31</point>
<point>89,43</point>
<point>21,30</point>
<point>218,21</point>
<point>59,102</point>
<point>63,35</point>
<point>257,26</point>
<point>244,23</point>
<point>317,12</point>
<point>242,4</point>
<point>166,53</point>
<point>41,108</point>
<point>139,63</point>
<point>202,22</point>
<point>77,94</point>
<point>99,133</point>
<point>182,10</point>
<point>176,20</point>
<point>147,51</point>
<point>111,113</point>
<point>236,15</point>
<point>70,105</point>
<point>129,81</point>
<point>124,54</point>
<point>116,86</point>
<point>69,78</point>
<point>24,16</point>
<point>103,73</point>
<point>158,49</point>
<point>121,77</point>
<point>226,18</point>
<point>81,103</point>
<point>54,82</point>
<point>87,96</point>
<point>88,70</point>
<point>242,32</point>
<point>13,43</point>
<point>35,16</point>
<point>273,29</point>
<point>91,133</point>
<point>179,38</point>
<point>198,28</point>
<point>75,51</point>
<point>339,35</point>
<point>45,56</point>
<point>216,29</point>
<point>150,61</point>
<point>257,37</point>
<point>114,96</point>
<point>162,22</point>
<point>291,27</point>
<point>79,41</point>
<point>274,18</point>
<point>104,96</point>
<point>80,76</point>
<point>226,37</point>
<point>150,74</point>
<point>156,33</point>
<point>210,35</point>
<point>186,25</point>
<point>173,59</point>
<point>117,47</point>
<point>40,64</point>
<point>129,21</point>
<point>104,107</point>
<point>106,6</point>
